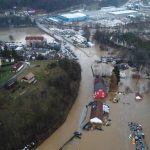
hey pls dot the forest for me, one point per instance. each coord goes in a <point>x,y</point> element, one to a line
<point>52,5</point>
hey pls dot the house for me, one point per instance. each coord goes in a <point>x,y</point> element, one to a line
<point>17,67</point>
<point>29,78</point>
<point>96,115</point>
<point>100,89</point>
<point>35,41</point>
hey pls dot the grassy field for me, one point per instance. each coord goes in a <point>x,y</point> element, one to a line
<point>5,73</point>
<point>39,69</point>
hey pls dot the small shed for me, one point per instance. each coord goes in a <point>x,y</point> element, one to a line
<point>29,78</point>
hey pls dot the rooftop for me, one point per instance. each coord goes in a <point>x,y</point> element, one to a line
<point>97,110</point>
<point>29,76</point>
<point>34,38</point>
<point>123,12</point>
<point>73,15</point>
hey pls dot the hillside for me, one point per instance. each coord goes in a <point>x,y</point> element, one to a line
<point>31,112</point>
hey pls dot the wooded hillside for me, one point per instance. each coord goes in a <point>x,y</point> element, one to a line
<point>52,5</point>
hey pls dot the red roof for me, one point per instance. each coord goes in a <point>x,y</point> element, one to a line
<point>16,65</point>
<point>41,38</point>
<point>99,94</point>
<point>100,89</point>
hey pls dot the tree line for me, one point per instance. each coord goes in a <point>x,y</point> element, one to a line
<point>15,21</point>
<point>52,5</point>
<point>134,48</point>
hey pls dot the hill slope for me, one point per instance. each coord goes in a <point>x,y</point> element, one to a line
<point>31,112</point>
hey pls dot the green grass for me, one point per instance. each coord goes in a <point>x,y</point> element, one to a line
<point>39,69</point>
<point>5,73</point>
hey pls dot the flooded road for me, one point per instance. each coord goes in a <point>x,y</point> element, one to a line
<point>114,137</point>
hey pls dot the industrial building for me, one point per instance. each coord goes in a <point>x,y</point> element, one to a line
<point>123,13</point>
<point>73,17</point>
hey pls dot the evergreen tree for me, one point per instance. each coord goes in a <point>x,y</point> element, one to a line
<point>113,82</point>
<point>117,73</point>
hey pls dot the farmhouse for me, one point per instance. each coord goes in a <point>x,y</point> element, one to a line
<point>17,67</point>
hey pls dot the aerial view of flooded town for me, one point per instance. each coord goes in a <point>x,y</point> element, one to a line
<point>75,75</point>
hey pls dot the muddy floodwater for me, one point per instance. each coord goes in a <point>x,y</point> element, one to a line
<point>114,137</point>
<point>19,34</point>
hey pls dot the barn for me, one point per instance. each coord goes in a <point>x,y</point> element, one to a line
<point>100,88</point>
<point>73,17</point>
<point>96,116</point>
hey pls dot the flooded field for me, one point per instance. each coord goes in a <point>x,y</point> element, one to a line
<point>19,34</point>
<point>114,137</point>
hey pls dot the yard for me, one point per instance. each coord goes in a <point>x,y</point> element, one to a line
<point>5,73</point>
<point>38,68</point>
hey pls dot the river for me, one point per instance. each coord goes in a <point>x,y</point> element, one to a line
<point>114,137</point>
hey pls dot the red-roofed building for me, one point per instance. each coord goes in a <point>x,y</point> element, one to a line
<point>100,89</point>
<point>35,40</point>
<point>17,67</point>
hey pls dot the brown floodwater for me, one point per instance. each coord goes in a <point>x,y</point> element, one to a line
<point>19,34</point>
<point>114,137</point>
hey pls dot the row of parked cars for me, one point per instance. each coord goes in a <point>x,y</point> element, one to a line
<point>119,62</point>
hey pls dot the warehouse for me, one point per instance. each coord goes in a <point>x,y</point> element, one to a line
<point>123,13</point>
<point>73,17</point>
